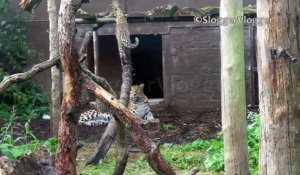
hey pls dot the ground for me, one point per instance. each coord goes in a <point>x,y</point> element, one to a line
<point>171,129</point>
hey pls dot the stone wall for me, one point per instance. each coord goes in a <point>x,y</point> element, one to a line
<point>190,59</point>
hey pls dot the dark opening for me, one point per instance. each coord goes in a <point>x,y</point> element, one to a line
<point>146,60</point>
<point>147,64</point>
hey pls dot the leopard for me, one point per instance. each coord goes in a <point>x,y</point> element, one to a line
<point>138,105</point>
<point>123,36</point>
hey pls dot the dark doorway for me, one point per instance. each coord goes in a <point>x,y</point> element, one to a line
<point>146,60</point>
<point>147,64</point>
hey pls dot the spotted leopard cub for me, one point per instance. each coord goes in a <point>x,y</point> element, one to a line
<point>123,36</point>
<point>138,105</point>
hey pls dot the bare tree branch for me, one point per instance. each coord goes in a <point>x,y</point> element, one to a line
<point>9,80</point>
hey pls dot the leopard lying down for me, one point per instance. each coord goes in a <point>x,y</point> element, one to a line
<point>138,105</point>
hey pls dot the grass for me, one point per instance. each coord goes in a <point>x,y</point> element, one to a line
<point>205,154</point>
<point>181,157</point>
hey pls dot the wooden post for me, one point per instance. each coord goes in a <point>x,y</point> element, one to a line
<point>233,89</point>
<point>55,72</point>
<point>279,89</point>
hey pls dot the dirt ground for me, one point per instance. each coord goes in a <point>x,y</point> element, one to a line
<point>173,128</point>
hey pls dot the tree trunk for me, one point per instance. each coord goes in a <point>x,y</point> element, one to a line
<point>115,127</point>
<point>279,89</point>
<point>67,146</point>
<point>233,90</point>
<point>55,72</point>
<point>105,143</point>
<point>121,131</point>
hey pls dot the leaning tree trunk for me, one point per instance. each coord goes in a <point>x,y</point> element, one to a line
<point>233,90</point>
<point>121,131</point>
<point>67,147</point>
<point>279,88</point>
<point>55,72</point>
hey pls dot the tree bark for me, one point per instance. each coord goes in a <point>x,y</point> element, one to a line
<point>55,72</point>
<point>279,89</point>
<point>67,146</point>
<point>138,135</point>
<point>233,90</point>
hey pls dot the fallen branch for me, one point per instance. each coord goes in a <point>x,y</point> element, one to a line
<point>138,135</point>
<point>9,80</point>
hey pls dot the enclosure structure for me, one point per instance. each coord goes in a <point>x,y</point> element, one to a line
<point>179,62</point>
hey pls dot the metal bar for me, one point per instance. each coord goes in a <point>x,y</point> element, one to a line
<point>94,20</point>
<point>132,19</point>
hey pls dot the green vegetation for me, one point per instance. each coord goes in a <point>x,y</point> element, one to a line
<point>10,149</point>
<point>205,154</point>
<point>24,98</point>
<point>17,140</point>
<point>253,141</point>
<point>14,48</point>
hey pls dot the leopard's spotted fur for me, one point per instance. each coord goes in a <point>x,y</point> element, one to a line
<point>123,36</point>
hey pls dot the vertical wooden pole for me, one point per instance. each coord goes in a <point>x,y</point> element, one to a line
<point>233,89</point>
<point>55,72</point>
